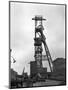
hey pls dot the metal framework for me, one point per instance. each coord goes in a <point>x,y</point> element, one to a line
<point>38,41</point>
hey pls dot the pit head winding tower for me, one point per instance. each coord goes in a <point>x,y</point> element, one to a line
<point>38,41</point>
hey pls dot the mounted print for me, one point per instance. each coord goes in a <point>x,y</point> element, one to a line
<point>37,44</point>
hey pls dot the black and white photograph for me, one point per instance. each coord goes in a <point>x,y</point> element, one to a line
<point>37,44</point>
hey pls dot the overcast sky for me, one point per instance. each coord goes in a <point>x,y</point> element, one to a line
<point>22,32</point>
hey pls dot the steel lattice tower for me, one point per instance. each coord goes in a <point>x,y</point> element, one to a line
<point>38,41</point>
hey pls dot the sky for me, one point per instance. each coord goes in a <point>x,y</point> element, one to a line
<point>22,32</point>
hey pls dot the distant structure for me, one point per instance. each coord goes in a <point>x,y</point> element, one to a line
<point>38,41</point>
<point>12,56</point>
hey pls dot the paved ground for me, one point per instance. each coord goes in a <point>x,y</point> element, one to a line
<point>44,83</point>
<point>47,83</point>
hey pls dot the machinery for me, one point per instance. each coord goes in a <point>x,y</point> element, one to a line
<point>38,41</point>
